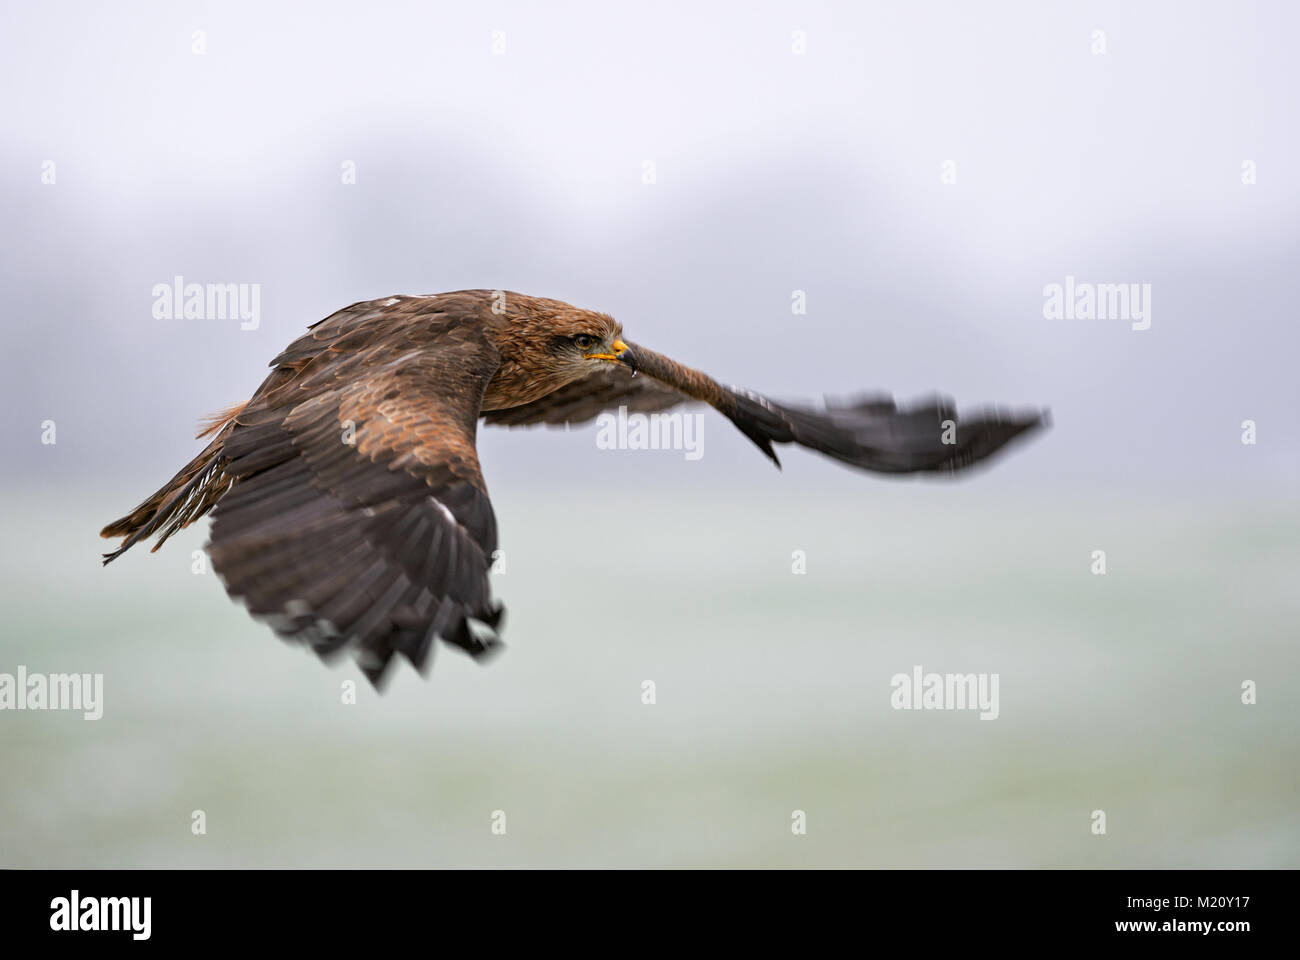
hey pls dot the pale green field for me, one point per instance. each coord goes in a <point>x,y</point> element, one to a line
<point>1119,693</point>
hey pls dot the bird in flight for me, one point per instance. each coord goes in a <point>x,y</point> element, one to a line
<point>348,507</point>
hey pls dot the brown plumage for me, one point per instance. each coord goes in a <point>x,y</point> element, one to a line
<point>348,507</point>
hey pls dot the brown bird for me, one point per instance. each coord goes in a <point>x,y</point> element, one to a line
<point>348,508</point>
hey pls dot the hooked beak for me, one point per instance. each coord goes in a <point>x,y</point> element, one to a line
<point>622,354</point>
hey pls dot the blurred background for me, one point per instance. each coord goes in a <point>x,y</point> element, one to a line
<point>920,172</point>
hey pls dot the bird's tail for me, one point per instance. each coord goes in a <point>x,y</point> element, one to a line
<point>183,499</point>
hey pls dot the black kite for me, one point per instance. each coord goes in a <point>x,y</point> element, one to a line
<point>348,508</point>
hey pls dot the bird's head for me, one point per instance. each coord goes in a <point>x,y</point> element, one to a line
<point>548,344</point>
<point>584,345</point>
<point>560,341</point>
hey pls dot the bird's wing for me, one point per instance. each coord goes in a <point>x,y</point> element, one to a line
<point>868,432</point>
<point>607,388</point>
<point>357,517</point>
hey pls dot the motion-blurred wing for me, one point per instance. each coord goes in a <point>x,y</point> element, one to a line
<point>873,433</point>
<point>870,432</point>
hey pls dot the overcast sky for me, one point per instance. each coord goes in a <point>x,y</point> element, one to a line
<point>505,145</point>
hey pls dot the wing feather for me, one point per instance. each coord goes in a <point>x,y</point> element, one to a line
<point>358,517</point>
<point>607,388</point>
<point>869,432</point>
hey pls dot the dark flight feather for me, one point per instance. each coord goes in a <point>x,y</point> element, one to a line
<point>869,432</point>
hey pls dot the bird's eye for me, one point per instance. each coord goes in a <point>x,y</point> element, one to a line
<point>584,342</point>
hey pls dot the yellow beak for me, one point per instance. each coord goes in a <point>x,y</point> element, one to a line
<point>622,354</point>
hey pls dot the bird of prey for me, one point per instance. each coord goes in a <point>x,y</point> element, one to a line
<point>348,508</point>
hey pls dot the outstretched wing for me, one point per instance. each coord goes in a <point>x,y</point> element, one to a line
<point>869,432</point>
<point>606,388</point>
<point>357,516</point>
